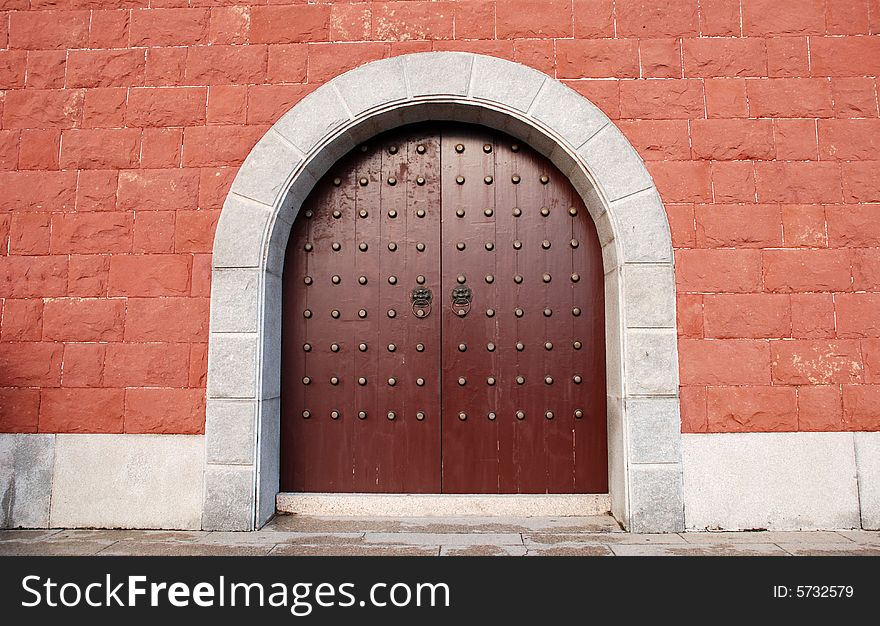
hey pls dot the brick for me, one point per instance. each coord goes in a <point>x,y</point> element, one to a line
<point>597,58</point>
<point>816,362</point>
<point>327,61</point>
<point>79,319</point>
<point>849,139</point>
<point>88,275</point>
<point>845,56</point>
<point>804,226</point>
<point>734,271</point>
<point>83,365</point>
<point>866,269</point>
<point>167,319</point>
<point>788,57</point>
<point>227,104</point>
<point>354,22</point>
<point>214,184</point>
<point>795,140</point>
<point>105,107</point>
<point>29,234</point>
<point>30,364</point>
<point>658,140</point>
<point>153,232</point>
<point>871,357</point>
<point>100,148</point>
<point>13,66</point>
<point>267,103</point>
<point>798,182</point>
<point>812,316</point>
<point>194,230</point>
<point>770,17</point>
<point>22,320</point>
<point>42,108</point>
<point>537,53</point>
<point>517,19</point>
<point>752,409</point>
<point>198,365</point>
<point>212,65</point>
<point>92,232</point>
<point>724,361</point>
<point>660,58</point>
<point>81,410</point>
<point>820,408</point>
<point>733,181</point>
<point>747,316</point>
<point>292,24</point>
<point>149,275</point>
<point>19,410</point>
<point>110,29</point>
<point>726,97</point>
<point>161,147</point>
<point>37,191</point>
<point>853,97</point>
<point>682,181</point>
<point>402,21</point>
<point>229,25</point>
<point>158,189</point>
<point>860,181</point>
<point>738,226</point>
<point>169,27</point>
<point>45,69</point>
<point>732,57</point>
<point>689,312</point>
<point>160,411</point>
<point>33,276</point>
<point>719,18</point>
<point>593,18</point>
<point>844,17</point>
<point>638,18</point>
<point>694,418</point>
<point>605,94</point>
<point>288,63</point>
<point>661,99</point>
<point>790,97</point>
<point>681,225</point>
<point>732,139</point>
<point>861,407</point>
<point>105,68</point>
<point>857,314</point>
<point>167,106</point>
<point>146,364</point>
<point>96,190</point>
<point>219,145</point>
<point>787,271</point>
<point>165,66</point>
<point>48,30</point>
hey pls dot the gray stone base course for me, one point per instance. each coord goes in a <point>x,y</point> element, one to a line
<point>868,464</point>
<point>25,479</point>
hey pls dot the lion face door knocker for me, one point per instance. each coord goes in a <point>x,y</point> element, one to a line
<point>421,301</point>
<point>461,300</point>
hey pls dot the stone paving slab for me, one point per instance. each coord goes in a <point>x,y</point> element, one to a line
<point>73,547</point>
<point>446,539</point>
<point>299,523</point>
<point>483,550</point>
<point>546,539</point>
<point>772,536</point>
<point>354,550</point>
<point>748,549</point>
<point>182,548</point>
<point>832,549</point>
<point>865,537</point>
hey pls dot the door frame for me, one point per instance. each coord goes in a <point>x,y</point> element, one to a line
<point>244,351</point>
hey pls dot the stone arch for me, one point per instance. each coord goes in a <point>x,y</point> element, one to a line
<point>243,408</point>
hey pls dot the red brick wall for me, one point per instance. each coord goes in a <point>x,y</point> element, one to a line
<point>122,123</point>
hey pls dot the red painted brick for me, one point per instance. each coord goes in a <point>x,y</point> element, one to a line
<point>174,411</point>
<point>738,226</point>
<point>517,19</point>
<point>37,191</point>
<point>291,24</point>
<point>804,226</point>
<point>790,97</point>
<point>31,364</point>
<point>88,275</point>
<point>96,190</point>
<point>788,57</point>
<point>149,275</point>
<point>214,184</point>
<point>229,25</point>
<point>91,233</point>
<point>158,189</point>
<point>354,22</point>
<point>71,410</point>
<point>605,94</point>
<point>19,410</point>
<point>820,408</point>
<point>593,18</point>
<point>816,362</point>
<point>100,148</point>
<point>194,230</point>
<point>682,181</point>
<point>217,65</point>
<point>849,139</point>
<point>658,140</point>
<point>857,314</point>
<point>22,320</point>
<point>845,56</point>
<point>795,140</point>
<point>733,181</point>
<point>42,108</point>
<point>537,53</point>
<point>48,30</point>
<point>726,97</point>
<point>146,364</point>
<point>29,234</point>
<point>167,319</point>
<point>166,66</point>
<point>860,181</point>
<point>681,225</point>
<point>227,104</point>
<point>752,409</point>
<point>638,18</point>
<point>845,17</point>
<point>787,271</point>
<point>168,106</point>
<point>83,365</point>
<point>153,232</point>
<point>724,361</point>
<point>747,316</point>
<point>105,107</point>
<point>866,269</point>
<point>201,275</point>
<point>327,61</point>
<point>402,21</point>
<point>854,97</point>
<point>267,103</point>
<point>660,58</point>
<point>871,357</point>
<point>198,365</point>
<point>694,418</point>
<point>689,311</point>
<point>812,315</point>
<point>33,276</point>
<point>861,407</point>
<point>661,99</point>
<point>219,145</point>
<point>771,17</point>
<point>13,65</point>
<point>501,49</point>
<point>45,69</point>
<point>78,319</point>
<point>106,68</point>
<point>719,17</point>
<point>161,147</point>
<point>798,182</point>
<point>716,57</point>
<point>110,29</point>
<point>735,271</point>
<point>169,27</point>
<point>732,139</point>
<point>288,63</point>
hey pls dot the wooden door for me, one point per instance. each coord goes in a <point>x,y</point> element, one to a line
<point>443,324</point>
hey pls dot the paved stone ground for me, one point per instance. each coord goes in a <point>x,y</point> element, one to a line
<point>437,536</point>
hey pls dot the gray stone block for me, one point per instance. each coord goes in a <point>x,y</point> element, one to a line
<point>574,118</point>
<point>229,498</point>
<point>270,383</point>
<point>26,468</point>
<point>267,169</point>
<point>649,295</point>
<point>613,336</point>
<point>234,300</point>
<point>128,481</point>
<point>230,432</point>
<point>375,84</point>
<point>651,362</point>
<point>268,479</point>
<point>641,226</point>
<point>505,82</point>
<point>868,466</point>
<point>278,247</point>
<point>232,365</point>
<point>242,226</point>
<point>617,460</point>
<point>615,164</point>
<point>438,73</point>
<point>655,430</point>
<point>656,504</point>
<point>313,119</point>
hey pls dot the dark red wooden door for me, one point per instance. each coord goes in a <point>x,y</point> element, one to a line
<point>443,324</point>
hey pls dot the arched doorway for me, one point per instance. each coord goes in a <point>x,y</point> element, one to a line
<point>443,323</point>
